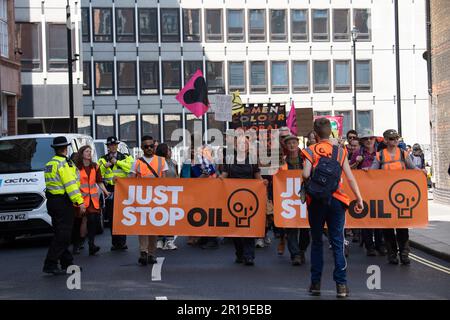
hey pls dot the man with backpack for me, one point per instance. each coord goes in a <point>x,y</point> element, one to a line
<point>327,202</point>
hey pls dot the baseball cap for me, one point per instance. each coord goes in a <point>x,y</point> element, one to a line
<point>391,133</point>
<point>366,133</point>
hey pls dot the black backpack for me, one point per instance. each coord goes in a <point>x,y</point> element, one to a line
<point>325,178</point>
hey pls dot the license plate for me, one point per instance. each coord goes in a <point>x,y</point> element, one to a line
<point>13,217</point>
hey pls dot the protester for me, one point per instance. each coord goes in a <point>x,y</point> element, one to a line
<point>417,156</point>
<point>149,166</point>
<point>297,238</point>
<point>243,169</point>
<point>90,182</point>
<point>283,133</point>
<point>394,158</point>
<point>163,150</point>
<point>327,205</point>
<point>352,147</point>
<point>312,138</point>
<point>62,193</point>
<point>114,165</point>
<point>363,159</point>
<point>78,230</point>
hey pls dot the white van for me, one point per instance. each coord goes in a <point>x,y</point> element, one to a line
<point>23,208</point>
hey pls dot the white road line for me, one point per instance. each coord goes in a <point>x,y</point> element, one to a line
<point>430,264</point>
<point>156,269</point>
<point>160,298</point>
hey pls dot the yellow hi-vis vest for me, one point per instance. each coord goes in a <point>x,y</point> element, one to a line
<point>60,179</point>
<point>121,169</point>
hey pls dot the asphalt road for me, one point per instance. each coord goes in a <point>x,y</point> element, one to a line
<point>193,273</point>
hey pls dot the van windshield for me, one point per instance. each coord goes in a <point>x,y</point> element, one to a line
<point>25,155</point>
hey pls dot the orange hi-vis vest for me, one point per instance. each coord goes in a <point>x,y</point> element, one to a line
<point>143,171</point>
<point>325,149</point>
<point>89,188</point>
<point>387,162</point>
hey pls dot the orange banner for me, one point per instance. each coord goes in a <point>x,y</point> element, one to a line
<point>392,199</point>
<point>190,207</point>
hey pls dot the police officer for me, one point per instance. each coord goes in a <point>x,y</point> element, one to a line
<point>114,165</point>
<point>62,192</point>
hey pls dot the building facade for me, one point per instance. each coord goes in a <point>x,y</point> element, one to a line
<point>42,38</point>
<point>9,70</point>
<point>440,101</point>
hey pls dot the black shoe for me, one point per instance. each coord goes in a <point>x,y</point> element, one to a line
<point>119,248</point>
<point>54,270</point>
<point>381,250</point>
<point>341,290</point>
<point>371,252</point>
<point>314,289</point>
<point>239,260</point>
<point>392,258</point>
<point>76,249</point>
<point>93,249</point>
<point>404,258</point>
<point>143,258</point>
<point>152,259</point>
<point>249,262</point>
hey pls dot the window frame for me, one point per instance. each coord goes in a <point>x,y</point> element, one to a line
<point>221,26</point>
<point>369,35</point>
<point>118,78</point>
<point>40,48</point>
<point>370,76</point>
<point>152,11</point>
<point>88,73</point>
<point>348,34</point>
<point>49,59</point>
<point>117,24</point>
<point>312,26</point>
<point>175,90</point>
<point>292,26</point>
<point>141,86</point>
<point>350,85</point>
<point>283,89</point>
<point>158,116</point>
<point>265,86</point>
<point>217,90</point>
<point>199,24</point>
<point>371,112</point>
<point>232,88</point>
<point>173,38</point>
<point>229,34</point>
<point>111,35</point>
<point>121,138</point>
<point>86,32</point>
<point>97,123</point>
<point>294,90</point>
<point>180,125</point>
<point>314,77</point>
<point>249,26</point>
<point>285,35</point>
<point>186,77</point>
<point>112,78</point>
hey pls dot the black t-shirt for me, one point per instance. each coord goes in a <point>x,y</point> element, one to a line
<point>241,171</point>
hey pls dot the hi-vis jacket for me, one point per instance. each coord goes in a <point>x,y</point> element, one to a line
<point>121,169</point>
<point>88,187</point>
<point>61,178</point>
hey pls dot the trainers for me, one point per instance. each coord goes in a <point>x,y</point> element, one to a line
<point>143,258</point>
<point>267,240</point>
<point>249,261</point>
<point>404,258</point>
<point>341,290</point>
<point>169,245</point>
<point>296,261</point>
<point>371,252</point>
<point>392,258</point>
<point>152,259</point>
<point>314,289</point>
<point>159,244</point>
<point>259,243</point>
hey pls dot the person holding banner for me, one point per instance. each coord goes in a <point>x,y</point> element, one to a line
<point>149,166</point>
<point>328,205</point>
<point>394,158</point>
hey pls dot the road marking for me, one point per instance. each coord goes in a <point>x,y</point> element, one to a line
<point>429,263</point>
<point>156,269</point>
<point>160,298</point>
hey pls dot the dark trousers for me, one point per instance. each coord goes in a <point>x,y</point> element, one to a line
<point>245,247</point>
<point>76,237</point>
<point>61,211</point>
<point>116,240</point>
<point>368,236</point>
<point>297,240</point>
<point>93,221</point>
<point>396,240</point>
<point>334,215</point>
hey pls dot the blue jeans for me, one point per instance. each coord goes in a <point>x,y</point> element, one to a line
<point>334,215</point>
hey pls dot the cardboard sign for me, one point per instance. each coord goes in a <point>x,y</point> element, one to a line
<point>190,207</point>
<point>222,108</point>
<point>394,199</point>
<point>260,116</point>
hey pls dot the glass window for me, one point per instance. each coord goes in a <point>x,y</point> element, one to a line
<point>104,78</point>
<point>126,75</point>
<point>191,67</point>
<point>214,77</point>
<point>300,76</point>
<point>278,27</point>
<point>85,24</point>
<point>102,20</point>
<point>341,25</point>
<point>363,75</point>
<point>321,75</point>
<point>29,42</point>
<point>191,25</point>
<point>104,127</point>
<point>365,120</point>
<point>148,25</point>
<point>342,75</point>
<point>258,78</point>
<point>214,25</point>
<point>149,77</point>
<point>128,130</point>
<point>150,126</point>
<point>257,25</point>
<point>170,25</point>
<point>86,78</point>
<point>362,21</point>
<point>236,25</point>
<point>299,24</point>
<point>236,76</point>
<point>84,125</point>
<point>125,25</point>
<point>322,113</point>
<point>280,78</point>
<point>171,123</point>
<point>4,32</point>
<point>320,25</point>
<point>171,77</point>
<point>57,47</point>
<point>347,120</point>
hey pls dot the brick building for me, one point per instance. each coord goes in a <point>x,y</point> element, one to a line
<point>9,70</point>
<point>440,101</point>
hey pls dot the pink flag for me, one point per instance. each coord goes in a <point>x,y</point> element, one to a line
<point>194,95</point>
<point>292,120</point>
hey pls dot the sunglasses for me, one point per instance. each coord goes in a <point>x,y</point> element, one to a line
<point>352,137</point>
<point>148,146</point>
<point>393,139</point>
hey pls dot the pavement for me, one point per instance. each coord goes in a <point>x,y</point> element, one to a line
<point>434,239</point>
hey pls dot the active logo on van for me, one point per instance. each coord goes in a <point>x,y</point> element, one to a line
<point>18,181</point>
